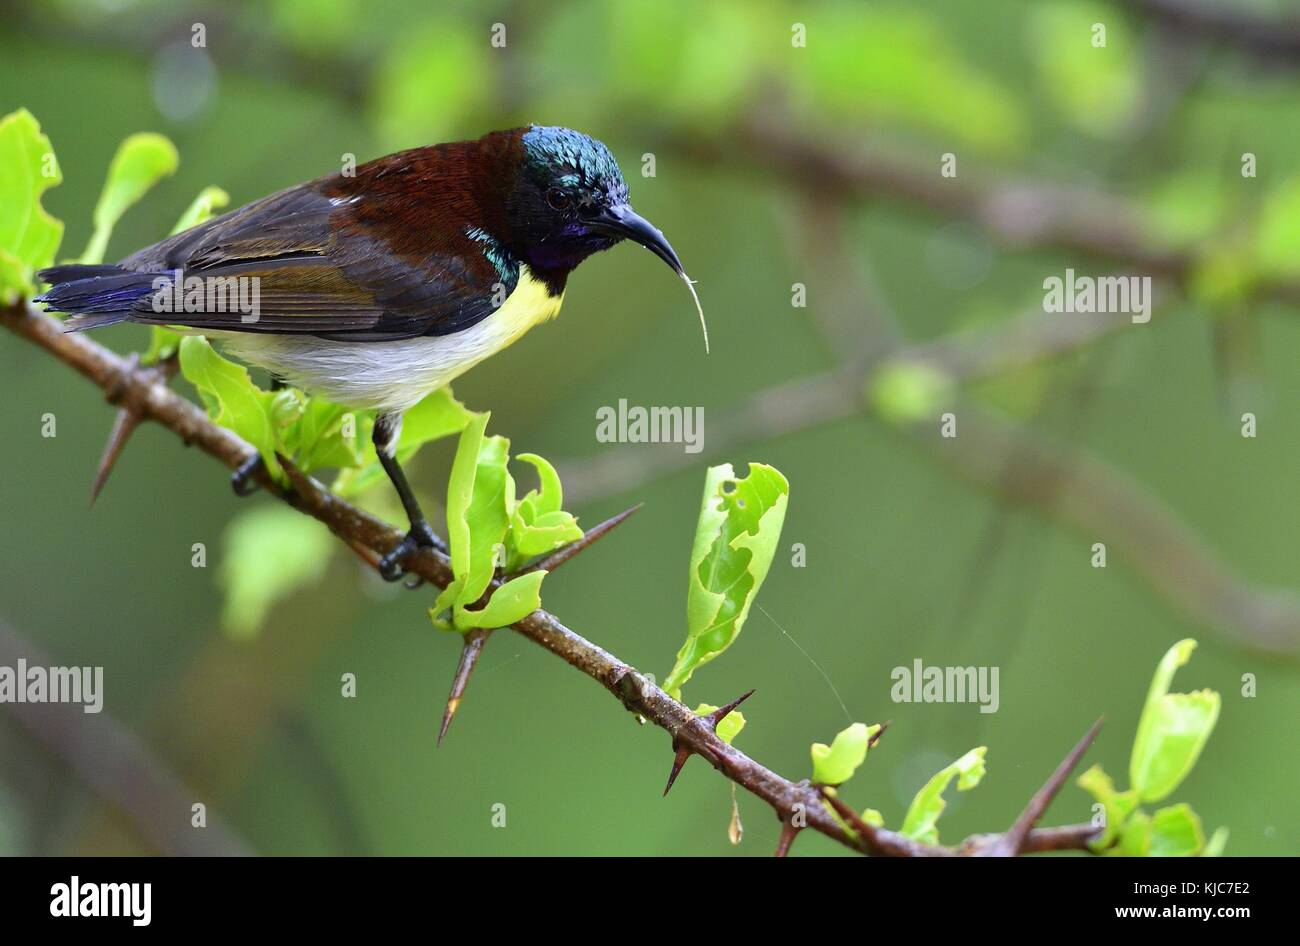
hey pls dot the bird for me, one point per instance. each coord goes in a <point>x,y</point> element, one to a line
<point>379,284</point>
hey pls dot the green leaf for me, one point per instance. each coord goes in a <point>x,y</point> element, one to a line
<point>326,436</point>
<point>1218,841</point>
<point>1134,836</point>
<point>513,601</point>
<point>232,400</point>
<point>735,540</point>
<point>836,763</point>
<point>1176,832</point>
<point>731,724</point>
<point>269,552</point>
<point>1172,731</point>
<point>538,524</point>
<point>923,814</point>
<point>478,515</point>
<point>29,236</point>
<point>210,200</point>
<point>1118,805</point>
<point>142,160</point>
<point>481,511</point>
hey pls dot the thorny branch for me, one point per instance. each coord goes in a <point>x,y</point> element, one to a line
<point>149,397</point>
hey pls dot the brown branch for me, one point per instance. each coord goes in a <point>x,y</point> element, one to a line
<point>1013,842</point>
<point>1275,40</point>
<point>1016,215</point>
<point>361,531</point>
<point>108,758</point>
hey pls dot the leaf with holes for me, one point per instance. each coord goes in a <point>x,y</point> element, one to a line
<point>921,822</point>
<point>735,540</point>
<point>1172,730</point>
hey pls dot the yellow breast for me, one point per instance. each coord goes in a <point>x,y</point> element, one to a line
<point>530,304</point>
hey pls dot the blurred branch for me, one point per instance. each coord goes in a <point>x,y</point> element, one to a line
<point>148,394</point>
<point>1094,498</point>
<point>1016,215</point>
<point>820,399</point>
<point>112,762</point>
<point>1270,38</point>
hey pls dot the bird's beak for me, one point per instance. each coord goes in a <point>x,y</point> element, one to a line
<point>623,222</point>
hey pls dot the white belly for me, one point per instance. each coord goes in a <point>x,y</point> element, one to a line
<point>393,376</point>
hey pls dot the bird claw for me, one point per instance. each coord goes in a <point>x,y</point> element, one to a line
<point>241,481</point>
<point>421,536</point>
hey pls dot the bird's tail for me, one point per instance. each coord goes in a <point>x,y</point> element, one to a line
<point>93,295</point>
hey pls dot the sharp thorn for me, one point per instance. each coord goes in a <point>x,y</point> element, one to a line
<point>469,655</point>
<point>788,832</point>
<point>871,744</point>
<point>678,761</point>
<point>124,425</point>
<point>864,831</point>
<point>1013,842</point>
<point>561,555</point>
<point>722,712</point>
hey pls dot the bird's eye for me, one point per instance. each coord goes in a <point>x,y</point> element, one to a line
<point>558,199</point>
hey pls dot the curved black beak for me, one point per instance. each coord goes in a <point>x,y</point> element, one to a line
<point>623,222</point>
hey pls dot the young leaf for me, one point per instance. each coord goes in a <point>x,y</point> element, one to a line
<point>1134,836</point>
<point>1118,805</point>
<point>538,524</point>
<point>513,601</point>
<point>326,435</point>
<point>270,551</point>
<point>479,494</point>
<point>29,236</point>
<point>735,539</point>
<point>1172,730</point>
<point>142,160</point>
<point>1218,841</point>
<point>210,200</point>
<point>731,724</point>
<point>232,400</point>
<point>1176,832</point>
<point>923,814</point>
<point>836,763</point>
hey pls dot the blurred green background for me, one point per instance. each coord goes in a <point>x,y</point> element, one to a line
<point>905,557</point>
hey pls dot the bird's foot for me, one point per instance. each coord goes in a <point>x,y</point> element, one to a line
<point>421,536</point>
<point>241,481</point>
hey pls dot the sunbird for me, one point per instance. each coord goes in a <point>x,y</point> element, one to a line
<point>376,287</point>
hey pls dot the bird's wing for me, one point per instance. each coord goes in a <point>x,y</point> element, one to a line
<point>365,268</point>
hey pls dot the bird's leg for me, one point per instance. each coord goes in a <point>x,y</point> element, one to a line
<point>387,429</point>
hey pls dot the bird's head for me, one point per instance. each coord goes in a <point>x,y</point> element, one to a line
<point>569,200</point>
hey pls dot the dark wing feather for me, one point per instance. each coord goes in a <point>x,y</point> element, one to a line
<point>383,256</point>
